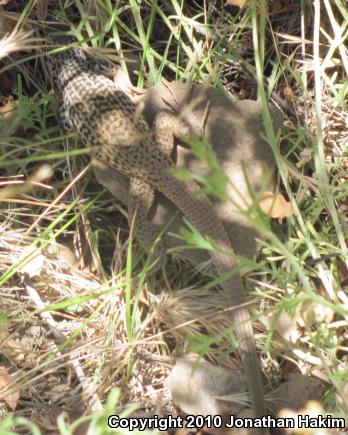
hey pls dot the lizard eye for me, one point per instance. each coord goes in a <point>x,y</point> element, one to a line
<point>80,54</point>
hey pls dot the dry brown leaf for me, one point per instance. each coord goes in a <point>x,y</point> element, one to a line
<point>6,379</point>
<point>9,108</point>
<point>275,205</point>
<point>239,3</point>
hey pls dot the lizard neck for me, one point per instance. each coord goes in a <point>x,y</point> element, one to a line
<point>67,66</point>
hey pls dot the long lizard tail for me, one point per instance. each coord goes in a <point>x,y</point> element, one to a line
<point>198,210</point>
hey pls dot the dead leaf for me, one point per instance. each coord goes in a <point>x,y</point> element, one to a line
<point>6,379</point>
<point>275,205</point>
<point>9,108</point>
<point>239,3</point>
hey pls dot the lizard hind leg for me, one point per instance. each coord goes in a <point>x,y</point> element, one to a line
<point>141,197</point>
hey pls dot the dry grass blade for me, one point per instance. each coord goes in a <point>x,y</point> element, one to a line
<point>18,41</point>
<point>17,187</point>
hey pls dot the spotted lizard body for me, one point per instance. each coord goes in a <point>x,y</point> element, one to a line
<point>106,119</point>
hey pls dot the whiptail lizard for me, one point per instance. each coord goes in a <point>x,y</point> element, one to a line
<point>233,130</point>
<point>106,119</point>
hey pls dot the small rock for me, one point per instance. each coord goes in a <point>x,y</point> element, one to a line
<point>196,385</point>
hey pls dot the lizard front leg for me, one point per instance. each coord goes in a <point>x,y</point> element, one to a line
<point>167,127</point>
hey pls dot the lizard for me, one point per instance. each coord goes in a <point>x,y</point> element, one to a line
<point>105,119</point>
<point>233,130</point>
